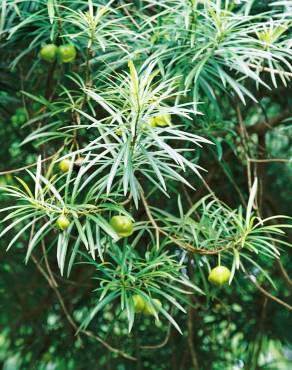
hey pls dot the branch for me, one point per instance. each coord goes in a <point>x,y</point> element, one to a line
<point>270,70</point>
<point>190,340</point>
<point>48,265</point>
<point>284,274</point>
<point>31,165</point>
<point>159,345</point>
<point>244,142</point>
<point>262,127</point>
<point>267,294</point>
<point>108,346</point>
<point>151,219</point>
<point>268,160</point>
<point>72,322</point>
<point>185,245</point>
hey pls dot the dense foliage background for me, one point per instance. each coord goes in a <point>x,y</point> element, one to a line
<point>158,93</point>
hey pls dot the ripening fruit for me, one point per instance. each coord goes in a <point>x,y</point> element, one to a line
<point>149,311</point>
<point>219,275</point>
<point>63,222</point>
<point>119,131</point>
<point>67,53</point>
<point>49,52</point>
<point>152,122</point>
<point>123,225</point>
<point>64,165</point>
<point>139,303</point>
<point>163,120</point>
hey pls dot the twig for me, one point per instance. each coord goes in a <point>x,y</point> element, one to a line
<point>48,265</point>
<point>267,294</point>
<point>70,319</point>
<point>244,139</point>
<point>124,7</point>
<point>182,244</point>
<point>284,274</point>
<point>257,345</point>
<point>33,164</point>
<point>53,286</point>
<point>263,127</point>
<point>162,344</point>
<point>270,160</point>
<point>270,70</point>
<point>108,346</point>
<point>128,200</point>
<point>26,167</point>
<point>148,212</point>
<point>190,340</point>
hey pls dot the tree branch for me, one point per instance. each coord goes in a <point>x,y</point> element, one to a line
<point>267,294</point>
<point>72,322</point>
<point>185,245</point>
<point>262,127</point>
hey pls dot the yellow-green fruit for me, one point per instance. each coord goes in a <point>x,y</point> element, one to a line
<point>123,225</point>
<point>157,305</point>
<point>152,122</point>
<point>163,120</point>
<point>49,52</point>
<point>219,275</point>
<point>63,222</point>
<point>67,53</point>
<point>139,303</point>
<point>119,131</point>
<point>64,165</point>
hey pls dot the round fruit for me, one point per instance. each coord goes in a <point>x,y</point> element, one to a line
<point>123,225</point>
<point>149,311</point>
<point>152,122</point>
<point>139,303</point>
<point>63,222</point>
<point>219,275</point>
<point>67,53</point>
<point>163,120</point>
<point>65,165</point>
<point>119,131</point>
<point>49,52</point>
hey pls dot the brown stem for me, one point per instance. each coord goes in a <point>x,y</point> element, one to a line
<point>28,166</point>
<point>183,244</point>
<point>268,160</point>
<point>193,354</point>
<point>267,294</point>
<point>263,127</point>
<point>70,319</point>
<point>48,265</point>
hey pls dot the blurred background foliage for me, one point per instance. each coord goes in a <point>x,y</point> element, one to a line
<point>235,327</point>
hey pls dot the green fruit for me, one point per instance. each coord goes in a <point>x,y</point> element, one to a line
<point>19,117</point>
<point>63,222</point>
<point>67,53</point>
<point>119,131</point>
<point>152,122</point>
<point>219,275</point>
<point>157,305</point>
<point>49,52</point>
<point>65,165</point>
<point>163,120</point>
<point>139,303</point>
<point>123,225</point>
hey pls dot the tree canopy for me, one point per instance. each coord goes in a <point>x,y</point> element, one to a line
<point>145,184</point>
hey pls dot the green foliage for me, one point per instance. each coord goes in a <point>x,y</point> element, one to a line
<point>112,112</point>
